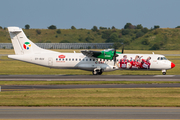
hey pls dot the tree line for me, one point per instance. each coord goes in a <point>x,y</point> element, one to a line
<point>95,28</point>
<point>126,36</point>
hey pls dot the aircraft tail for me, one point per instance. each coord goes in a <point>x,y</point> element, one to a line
<point>22,45</point>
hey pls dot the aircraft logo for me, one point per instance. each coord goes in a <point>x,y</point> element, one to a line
<point>61,56</point>
<point>26,45</point>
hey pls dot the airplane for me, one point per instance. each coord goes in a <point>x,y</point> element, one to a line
<point>95,61</point>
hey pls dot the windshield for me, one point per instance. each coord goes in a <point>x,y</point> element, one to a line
<point>161,58</point>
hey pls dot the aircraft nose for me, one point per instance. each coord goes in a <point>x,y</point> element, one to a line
<point>172,65</point>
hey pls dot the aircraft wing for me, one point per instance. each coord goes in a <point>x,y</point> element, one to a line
<point>90,53</point>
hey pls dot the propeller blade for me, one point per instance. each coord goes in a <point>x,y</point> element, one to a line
<point>123,49</point>
<point>104,53</point>
<point>114,52</point>
<point>114,57</point>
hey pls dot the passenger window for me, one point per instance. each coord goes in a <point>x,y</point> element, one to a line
<point>83,60</point>
<point>161,58</point>
<point>89,59</point>
<point>66,59</point>
<point>79,59</point>
<point>73,59</point>
<point>76,59</point>
<point>56,58</point>
<point>59,59</point>
<point>86,59</point>
<point>93,59</point>
<point>63,59</point>
<point>69,59</point>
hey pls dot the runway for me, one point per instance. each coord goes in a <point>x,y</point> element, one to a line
<point>33,87</point>
<point>90,77</point>
<point>89,113</point>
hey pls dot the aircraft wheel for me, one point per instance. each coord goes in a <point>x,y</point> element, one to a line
<point>99,73</point>
<point>164,73</point>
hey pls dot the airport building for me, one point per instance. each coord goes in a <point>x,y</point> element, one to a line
<point>65,45</point>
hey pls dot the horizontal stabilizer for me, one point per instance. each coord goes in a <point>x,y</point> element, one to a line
<point>14,29</point>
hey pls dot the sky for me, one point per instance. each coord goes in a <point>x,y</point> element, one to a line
<point>88,13</point>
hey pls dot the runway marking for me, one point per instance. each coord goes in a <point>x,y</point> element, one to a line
<point>164,76</point>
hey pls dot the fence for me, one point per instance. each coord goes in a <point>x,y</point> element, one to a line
<point>65,45</point>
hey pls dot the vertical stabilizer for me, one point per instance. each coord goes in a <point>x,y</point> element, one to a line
<point>22,45</point>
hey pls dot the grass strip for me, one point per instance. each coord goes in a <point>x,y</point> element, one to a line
<point>83,82</point>
<point>138,97</point>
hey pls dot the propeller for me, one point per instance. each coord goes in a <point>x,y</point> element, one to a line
<point>123,49</point>
<point>114,56</point>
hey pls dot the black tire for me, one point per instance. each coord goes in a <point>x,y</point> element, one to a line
<point>164,73</point>
<point>99,73</point>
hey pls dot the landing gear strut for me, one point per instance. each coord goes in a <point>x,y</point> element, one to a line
<point>94,72</point>
<point>97,72</point>
<point>164,72</point>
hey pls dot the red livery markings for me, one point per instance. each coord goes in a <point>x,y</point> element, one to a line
<point>61,56</point>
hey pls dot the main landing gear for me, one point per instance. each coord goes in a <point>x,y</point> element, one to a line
<point>164,72</point>
<point>97,72</point>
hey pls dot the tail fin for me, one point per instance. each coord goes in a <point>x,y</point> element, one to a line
<point>22,45</point>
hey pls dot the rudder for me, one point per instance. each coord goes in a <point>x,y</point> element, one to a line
<point>22,45</point>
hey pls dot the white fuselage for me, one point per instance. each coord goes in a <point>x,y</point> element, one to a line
<point>79,61</point>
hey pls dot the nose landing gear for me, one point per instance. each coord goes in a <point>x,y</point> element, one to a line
<point>164,72</point>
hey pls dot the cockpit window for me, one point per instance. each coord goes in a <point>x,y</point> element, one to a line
<point>165,58</point>
<point>161,58</point>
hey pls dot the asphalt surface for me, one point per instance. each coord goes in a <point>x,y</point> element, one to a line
<point>89,113</point>
<point>31,87</point>
<point>87,78</point>
<point>90,77</point>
